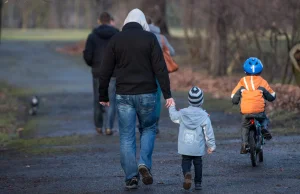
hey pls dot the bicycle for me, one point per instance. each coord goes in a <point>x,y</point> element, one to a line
<point>256,141</point>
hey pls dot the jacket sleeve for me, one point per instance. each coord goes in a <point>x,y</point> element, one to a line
<point>88,51</point>
<point>171,49</point>
<point>209,134</point>
<point>160,69</point>
<point>236,94</point>
<point>106,71</point>
<point>268,93</point>
<point>174,114</point>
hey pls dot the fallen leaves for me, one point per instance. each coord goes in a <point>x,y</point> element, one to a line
<point>72,49</point>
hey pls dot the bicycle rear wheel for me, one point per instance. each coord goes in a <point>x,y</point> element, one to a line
<point>252,146</point>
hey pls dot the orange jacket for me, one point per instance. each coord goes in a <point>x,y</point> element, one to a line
<point>252,91</point>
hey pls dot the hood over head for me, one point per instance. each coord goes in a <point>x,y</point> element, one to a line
<point>138,16</point>
<point>193,119</point>
<point>105,31</point>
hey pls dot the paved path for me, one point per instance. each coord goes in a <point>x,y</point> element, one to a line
<point>64,85</point>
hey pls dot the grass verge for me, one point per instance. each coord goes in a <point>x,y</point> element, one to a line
<point>285,122</point>
<point>45,34</point>
<point>60,145</point>
<point>12,114</point>
<point>58,34</point>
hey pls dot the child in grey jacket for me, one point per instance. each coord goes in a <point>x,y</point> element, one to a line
<point>194,132</point>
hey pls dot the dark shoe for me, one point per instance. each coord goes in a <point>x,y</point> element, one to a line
<point>244,149</point>
<point>266,134</point>
<point>187,181</point>
<point>99,131</point>
<point>108,132</point>
<point>146,175</point>
<point>198,186</point>
<point>132,183</point>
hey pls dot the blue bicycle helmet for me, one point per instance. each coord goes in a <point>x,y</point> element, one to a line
<point>253,66</point>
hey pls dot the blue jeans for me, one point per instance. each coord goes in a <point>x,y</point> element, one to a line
<point>98,108</point>
<point>158,103</point>
<point>129,107</point>
<point>110,111</point>
<point>101,119</point>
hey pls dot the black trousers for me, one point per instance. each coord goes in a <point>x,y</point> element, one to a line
<point>261,117</point>
<point>187,164</point>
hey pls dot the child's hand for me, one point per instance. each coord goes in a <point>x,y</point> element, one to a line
<point>209,150</point>
<point>170,102</point>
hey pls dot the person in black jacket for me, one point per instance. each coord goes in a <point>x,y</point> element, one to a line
<point>137,59</point>
<point>95,46</point>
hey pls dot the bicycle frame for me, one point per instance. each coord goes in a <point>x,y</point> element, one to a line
<point>259,140</point>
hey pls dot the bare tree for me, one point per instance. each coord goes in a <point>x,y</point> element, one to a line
<point>157,10</point>
<point>52,19</point>
<point>1,5</point>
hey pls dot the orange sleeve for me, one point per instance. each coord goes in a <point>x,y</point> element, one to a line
<point>268,88</point>
<point>237,87</point>
<point>268,93</point>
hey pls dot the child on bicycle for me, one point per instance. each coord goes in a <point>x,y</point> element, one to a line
<point>251,92</point>
<point>194,131</point>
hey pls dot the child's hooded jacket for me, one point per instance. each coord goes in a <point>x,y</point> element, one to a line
<point>195,130</point>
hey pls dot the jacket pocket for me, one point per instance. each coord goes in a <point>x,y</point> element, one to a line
<point>147,103</point>
<point>122,100</point>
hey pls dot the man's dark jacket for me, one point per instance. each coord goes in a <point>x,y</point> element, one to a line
<point>137,59</point>
<point>95,46</point>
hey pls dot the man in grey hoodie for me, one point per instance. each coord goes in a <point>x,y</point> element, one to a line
<point>194,132</point>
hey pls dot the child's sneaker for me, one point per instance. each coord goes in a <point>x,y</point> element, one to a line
<point>187,181</point>
<point>198,186</point>
<point>132,183</point>
<point>244,149</point>
<point>266,134</point>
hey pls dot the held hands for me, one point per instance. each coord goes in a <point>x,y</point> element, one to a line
<point>210,151</point>
<point>104,103</point>
<point>170,102</point>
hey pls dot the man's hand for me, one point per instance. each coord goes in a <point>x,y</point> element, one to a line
<point>170,102</point>
<point>209,150</point>
<point>104,103</point>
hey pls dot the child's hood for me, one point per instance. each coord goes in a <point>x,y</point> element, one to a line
<point>193,117</point>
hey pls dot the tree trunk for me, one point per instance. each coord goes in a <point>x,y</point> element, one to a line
<point>77,14</point>
<point>294,55</point>
<point>24,7</point>
<point>53,22</point>
<point>1,5</point>
<point>222,33</point>
<point>157,10</point>
<point>88,18</point>
<point>214,54</point>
